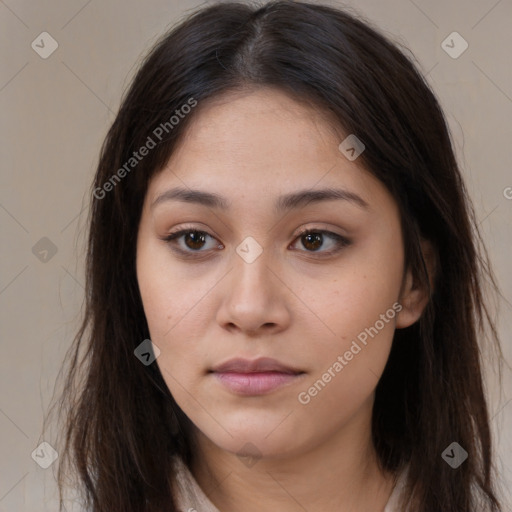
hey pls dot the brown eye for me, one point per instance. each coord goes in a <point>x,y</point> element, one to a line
<point>194,239</point>
<point>190,241</point>
<point>314,240</point>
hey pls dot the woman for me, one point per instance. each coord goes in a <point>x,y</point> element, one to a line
<point>284,291</point>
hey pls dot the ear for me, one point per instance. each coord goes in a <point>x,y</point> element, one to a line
<point>413,297</point>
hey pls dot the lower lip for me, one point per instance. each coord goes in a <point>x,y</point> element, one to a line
<point>255,383</point>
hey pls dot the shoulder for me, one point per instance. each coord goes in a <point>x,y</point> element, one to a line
<point>188,495</point>
<point>394,500</point>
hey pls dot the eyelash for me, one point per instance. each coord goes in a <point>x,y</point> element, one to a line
<point>341,241</point>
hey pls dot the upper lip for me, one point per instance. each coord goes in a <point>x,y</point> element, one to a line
<point>262,364</point>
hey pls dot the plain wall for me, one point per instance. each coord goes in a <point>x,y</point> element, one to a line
<point>55,113</point>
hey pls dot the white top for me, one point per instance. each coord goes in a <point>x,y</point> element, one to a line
<point>191,498</point>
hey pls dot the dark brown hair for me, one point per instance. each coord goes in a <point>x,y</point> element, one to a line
<point>121,423</point>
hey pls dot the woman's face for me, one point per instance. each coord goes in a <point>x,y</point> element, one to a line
<point>253,172</point>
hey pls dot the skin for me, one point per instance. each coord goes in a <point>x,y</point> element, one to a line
<point>297,305</point>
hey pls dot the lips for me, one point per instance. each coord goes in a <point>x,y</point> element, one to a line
<point>261,365</point>
<point>257,377</point>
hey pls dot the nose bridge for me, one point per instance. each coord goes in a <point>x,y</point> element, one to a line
<point>253,296</point>
<point>251,268</point>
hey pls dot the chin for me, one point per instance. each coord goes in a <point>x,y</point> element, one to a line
<point>255,440</point>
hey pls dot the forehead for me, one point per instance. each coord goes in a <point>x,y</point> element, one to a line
<point>265,125</point>
<point>261,143</point>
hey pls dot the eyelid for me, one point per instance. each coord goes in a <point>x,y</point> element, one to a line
<point>340,240</point>
<point>182,230</point>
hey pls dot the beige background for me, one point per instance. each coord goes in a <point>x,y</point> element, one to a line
<point>55,113</point>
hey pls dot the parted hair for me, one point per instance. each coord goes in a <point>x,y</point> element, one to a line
<point>121,425</point>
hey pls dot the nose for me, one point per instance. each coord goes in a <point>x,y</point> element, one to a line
<point>254,299</point>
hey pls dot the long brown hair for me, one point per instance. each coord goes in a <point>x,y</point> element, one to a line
<point>121,424</point>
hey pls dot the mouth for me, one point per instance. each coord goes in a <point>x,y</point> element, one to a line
<point>255,377</point>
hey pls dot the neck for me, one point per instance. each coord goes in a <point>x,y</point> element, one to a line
<point>340,473</point>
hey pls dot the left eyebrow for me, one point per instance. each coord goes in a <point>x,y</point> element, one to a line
<point>303,197</point>
<point>285,202</point>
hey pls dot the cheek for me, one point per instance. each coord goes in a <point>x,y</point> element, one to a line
<point>363,288</point>
<point>167,295</point>
<point>176,310</point>
<point>348,366</point>
<point>359,306</point>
